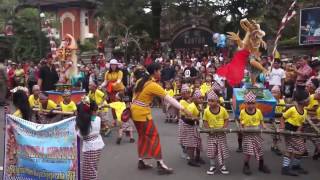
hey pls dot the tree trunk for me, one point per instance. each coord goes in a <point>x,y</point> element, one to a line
<point>156,15</point>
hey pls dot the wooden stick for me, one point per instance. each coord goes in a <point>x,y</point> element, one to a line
<point>313,126</point>
<point>53,111</point>
<point>211,131</point>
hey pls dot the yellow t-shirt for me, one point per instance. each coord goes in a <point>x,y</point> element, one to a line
<point>17,113</point>
<point>204,88</point>
<point>71,107</point>
<point>293,117</point>
<point>282,108</point>
<point>251,120</point>
<point>184,104</point>
<point>104,110</point>
<point>33,102</point>
<point>318,113</point>
<point>312,103</point>
<point>150,90</point>
<point>119,107</point>
<point>194,110</point>
<point>113,76</point>
<point>215,120</point>
<point>50,105</point>
<point>170,92</point>
<point>98,96</point>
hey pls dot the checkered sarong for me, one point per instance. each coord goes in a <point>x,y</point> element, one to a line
<point>217,147</point>
<point>252,145</point>
<point>126,126</point>
<point>190,136</point>
<point>180,126</point>
<point>90,165</point>
<point>295,144</point>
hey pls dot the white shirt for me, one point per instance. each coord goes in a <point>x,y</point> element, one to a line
<point>317,32</point>
<point>276,75</point>
<point>95,143</point>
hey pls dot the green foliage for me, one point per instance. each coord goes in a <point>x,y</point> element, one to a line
<point>29,42</point>
<point>88,45</point>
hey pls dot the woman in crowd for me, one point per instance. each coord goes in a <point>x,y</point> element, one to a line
<point>148,141</point>
<point>20,101</point>
<point>113,80</point>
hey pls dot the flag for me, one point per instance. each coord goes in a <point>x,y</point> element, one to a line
<point>287,17</point>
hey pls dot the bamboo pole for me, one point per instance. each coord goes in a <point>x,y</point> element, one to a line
<point>264,131</point>
<point>53,111</point>
<point>313,126</point>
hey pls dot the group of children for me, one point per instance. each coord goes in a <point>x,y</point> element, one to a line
<point>206,104</point>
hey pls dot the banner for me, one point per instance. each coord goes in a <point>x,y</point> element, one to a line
<point>309,26</point>
<point>40,151</point>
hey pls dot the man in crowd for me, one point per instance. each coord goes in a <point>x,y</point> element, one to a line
<point>277,75</point>
<point>190,71</point>
<point>168,72</point>
<point>304,71</point>
<point>48,75</point>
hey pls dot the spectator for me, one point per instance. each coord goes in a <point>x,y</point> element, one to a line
<point>190,71</point>
<point>277,75</point>
<point>168,72</point>
<point>304,71</point>
<point>48,76</point>
<point>31,76</point>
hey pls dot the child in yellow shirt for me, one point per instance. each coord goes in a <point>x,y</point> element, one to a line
<point>125,127</point>
<point>99,98</point>
<point>206,86</point>
<point>171,112</point>
<point>185,102</point>
<point>293,120</point>
<point>316,121</point>
<point>251,117</point>
<point>190,136</point>
<point>280,108</point>
<point>216,116</point>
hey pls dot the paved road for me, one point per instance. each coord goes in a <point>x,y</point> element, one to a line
<point>119,162</point>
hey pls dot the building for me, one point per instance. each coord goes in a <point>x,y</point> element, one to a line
<point>75,17</point>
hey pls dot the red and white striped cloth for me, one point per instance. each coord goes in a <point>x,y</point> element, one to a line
<point>190,136</point>
<point>90,162</point>
<point>295,144</point>
<point>217,147</point>
<point>287,17</point>
<point>252,145</point>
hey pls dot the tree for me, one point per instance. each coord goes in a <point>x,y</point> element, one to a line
<point>26,41</point>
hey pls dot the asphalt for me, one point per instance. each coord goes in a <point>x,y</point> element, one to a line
<point>119,162</point>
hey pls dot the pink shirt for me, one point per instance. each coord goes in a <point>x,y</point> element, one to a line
<point>306,70</point>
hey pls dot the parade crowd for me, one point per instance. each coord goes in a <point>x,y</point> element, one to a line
<point>186,86</point>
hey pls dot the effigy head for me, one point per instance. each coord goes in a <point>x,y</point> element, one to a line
<point>70,41</point>
<point>254,34</point>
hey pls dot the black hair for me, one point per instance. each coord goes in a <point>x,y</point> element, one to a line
<point>20,101</point>
<point>315,82</point>
<point>152,68</point>
<point>83,120</point>
<point>300,94</point>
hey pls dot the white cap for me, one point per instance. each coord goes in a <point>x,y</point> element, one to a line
<point>114,61</point>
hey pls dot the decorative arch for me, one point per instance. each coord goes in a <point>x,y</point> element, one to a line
<point>200,35</point>
<point>65,17</point>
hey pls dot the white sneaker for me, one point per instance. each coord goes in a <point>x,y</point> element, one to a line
<point>211,170</point>
<point>224,170</point>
